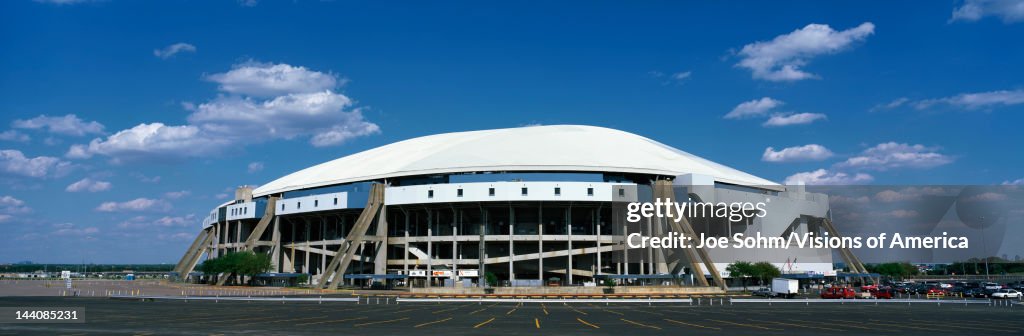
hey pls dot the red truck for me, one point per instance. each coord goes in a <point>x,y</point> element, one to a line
<point>838,293</point>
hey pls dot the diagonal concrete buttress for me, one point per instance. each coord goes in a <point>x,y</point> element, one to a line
<point>851,259</point>
<point>339,264</point>
<point>268,216</point>
<point>664,190</point>
<point>193,254</point>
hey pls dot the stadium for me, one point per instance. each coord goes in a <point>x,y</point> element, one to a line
<point>535,206</point>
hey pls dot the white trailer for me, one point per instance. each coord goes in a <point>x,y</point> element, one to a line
<point>787,288</point>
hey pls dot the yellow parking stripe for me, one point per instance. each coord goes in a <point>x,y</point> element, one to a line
<point>641,324</point>
<point>691,324</point>
<point>797,325</point>
<point>481,324</point>
<point>379,322</point>
<point>744,325</point>
<point>429,323</point>
<point>587,323</point>
<point>334,321</point>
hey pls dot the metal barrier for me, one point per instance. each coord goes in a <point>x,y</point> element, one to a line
<point>808,301</point>
<point>237,298</point>
<point>606,301</point>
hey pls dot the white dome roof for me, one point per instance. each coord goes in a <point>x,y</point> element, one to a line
<point>535,148</point>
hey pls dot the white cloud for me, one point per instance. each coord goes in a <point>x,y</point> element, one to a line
<point>88,184</point>
<point>12,135</point>
<point>171,50</point>
<point>5,218</point>
<point>284,117</point>
<point>304,105</point>
<point>151,140</point>
<point>753,108</point>
<point>973,10</point>
<point>811,152</point>
<point>782,58</point>
<point>978,100</point>
<point>68,229</point>
<point>901,214</point>
<point>1014,182</point>
<point>12,206</point>
<point>890,196</point>
<point>255,167</point>
<point>268,80</point>
<point>780,119</point>
<point>248,3</point>
<point>679,76</point>
<point>987,197</point>
<point>14,162</point>
<point>66,125</point>
<point>339,134</point>
<point>825,177</point>
<point>898,102</point>
<point>908,194</point>
<point>176,194</point>
<point>891,155</point>
<point>138,204</point>
<point>176,221</point>
<point>180,236</point>
<point>146,179</point>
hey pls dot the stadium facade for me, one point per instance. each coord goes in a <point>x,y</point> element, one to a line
<point>531,205</point>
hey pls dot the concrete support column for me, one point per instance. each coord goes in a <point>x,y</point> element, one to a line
<point>597,231</point>
<point>511,252</point>
<point>276,237</point>
<point>309,228</point>
<point>238,234</point>
<point>568,231</point>
<point>482,250</point>
<point>380,259</point>
<point>216,240</point>
<point>455,256</point>
<point>323,247</point>
<point>650,250</point>
<point>430,248</point>
<point>405,254</point>
<point>291,260</point>
<point>540,250</point>
<point>625,252</point>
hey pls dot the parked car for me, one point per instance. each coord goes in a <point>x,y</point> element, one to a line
<point>884,293</point>
<point>763,291</point>
<point>1006,293</point>
<point>905,289</point>
<point>992,286</point>
<point>936,291</point>
<point>978,293</point>
<point>838,293</point>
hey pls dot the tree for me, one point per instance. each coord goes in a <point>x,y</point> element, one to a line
<point>238,263</point>
<point>765,271</point>
<point>492,280</point>
<point>251,264</point>
<point>741,270</point>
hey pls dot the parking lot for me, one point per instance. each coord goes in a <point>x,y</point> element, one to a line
<point>134,317</point>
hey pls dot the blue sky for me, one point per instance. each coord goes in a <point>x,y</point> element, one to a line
<point>124,122</point>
